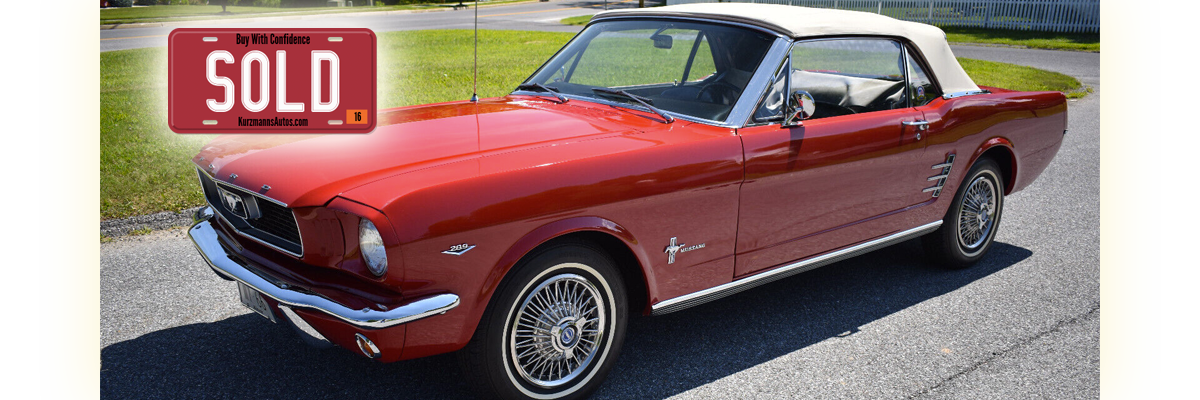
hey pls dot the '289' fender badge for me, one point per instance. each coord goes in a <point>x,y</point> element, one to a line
<point>459,249</point>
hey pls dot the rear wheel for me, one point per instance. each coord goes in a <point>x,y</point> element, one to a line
<point>554,328</point>
<point>970,225</point>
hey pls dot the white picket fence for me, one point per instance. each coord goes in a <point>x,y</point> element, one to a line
<point>1037,15</point>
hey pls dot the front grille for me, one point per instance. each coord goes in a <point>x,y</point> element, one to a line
<point>276,227</point>
<point>277,220</point>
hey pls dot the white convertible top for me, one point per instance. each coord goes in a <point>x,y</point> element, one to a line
<point>801,22</point>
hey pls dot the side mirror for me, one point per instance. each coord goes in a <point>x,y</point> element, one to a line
<point>662,41</point>
<point>800,106</point>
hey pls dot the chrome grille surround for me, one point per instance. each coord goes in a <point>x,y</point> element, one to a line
<point>276,228</point>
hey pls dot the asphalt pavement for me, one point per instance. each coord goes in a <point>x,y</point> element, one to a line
<point>1023,323</point>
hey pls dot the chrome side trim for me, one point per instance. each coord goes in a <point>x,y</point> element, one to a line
<point>204,236</point>
<point>949,96</point>
<point>717,292</point>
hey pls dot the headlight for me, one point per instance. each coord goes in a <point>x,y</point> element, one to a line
<point>371,245</point>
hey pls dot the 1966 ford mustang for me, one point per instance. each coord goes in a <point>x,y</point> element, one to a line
<point>663,158</point>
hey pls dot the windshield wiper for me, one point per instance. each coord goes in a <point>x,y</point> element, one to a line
<point>544,88</point>
<point>643,100</point>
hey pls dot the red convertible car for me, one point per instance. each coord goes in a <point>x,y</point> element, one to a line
<point>663,158</point>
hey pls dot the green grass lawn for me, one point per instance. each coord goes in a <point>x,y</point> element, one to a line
<point>129,15</point>
<point>144,167</point>
<point>579,20</point>
<point>1031,39</point>
<point>1016,77</point>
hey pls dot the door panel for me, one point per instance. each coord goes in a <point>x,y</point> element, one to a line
<point>827,175</point>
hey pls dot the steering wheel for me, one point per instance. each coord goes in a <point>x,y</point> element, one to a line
<point>723,93</point>
<point>833,110</point>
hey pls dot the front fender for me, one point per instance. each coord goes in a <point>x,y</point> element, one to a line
<point>559,228</point>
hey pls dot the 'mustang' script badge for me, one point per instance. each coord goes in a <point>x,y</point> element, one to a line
<point>271,80</point>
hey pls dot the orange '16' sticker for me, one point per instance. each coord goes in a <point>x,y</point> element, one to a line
<point>356,116</point>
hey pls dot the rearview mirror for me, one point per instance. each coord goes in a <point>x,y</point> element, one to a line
<point>800,106</point>
<point>662,41</point>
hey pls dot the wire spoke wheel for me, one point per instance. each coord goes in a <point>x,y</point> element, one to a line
<point>558,330</point>
<point>555,326</point>
<point>976,218</point>
<point>972,219</point>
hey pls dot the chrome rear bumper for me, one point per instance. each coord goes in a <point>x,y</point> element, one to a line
<point>208,243</point>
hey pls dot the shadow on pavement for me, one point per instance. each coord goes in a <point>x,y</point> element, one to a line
<point>246,356</point>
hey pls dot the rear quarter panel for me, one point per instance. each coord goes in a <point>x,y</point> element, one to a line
<point>1029,125</point>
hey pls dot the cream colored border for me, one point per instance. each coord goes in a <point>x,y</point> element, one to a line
<point>67,197</point>
<point>1181,234</point>
<point>1132,333</point>
<point>1132,207</point>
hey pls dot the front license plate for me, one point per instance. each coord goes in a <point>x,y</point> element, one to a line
<point>253,300</point>
<point>258,80</point>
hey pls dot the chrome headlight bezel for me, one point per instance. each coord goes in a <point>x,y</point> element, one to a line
<point>370,246</point>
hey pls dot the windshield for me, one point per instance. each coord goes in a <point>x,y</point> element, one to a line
<point>690,68</point>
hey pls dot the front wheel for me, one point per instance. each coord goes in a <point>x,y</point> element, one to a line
<point>970,225</point>
<point>554,328</point>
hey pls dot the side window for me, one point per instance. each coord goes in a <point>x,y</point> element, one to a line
<point>920,88</point>
<point>844,77</point>
<point>849,76</point>
<point>770,108</point>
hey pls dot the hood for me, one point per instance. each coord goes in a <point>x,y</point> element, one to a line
<point>309,170</point>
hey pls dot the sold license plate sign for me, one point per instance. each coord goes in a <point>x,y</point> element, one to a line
<point>253,300</point>
<point>271,80</point>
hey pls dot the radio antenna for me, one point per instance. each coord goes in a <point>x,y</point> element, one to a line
<point>475,78</point>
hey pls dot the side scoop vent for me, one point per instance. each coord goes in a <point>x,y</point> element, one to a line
<point>940,178</point>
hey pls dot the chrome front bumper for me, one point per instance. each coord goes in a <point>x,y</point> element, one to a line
<point>208,243</point>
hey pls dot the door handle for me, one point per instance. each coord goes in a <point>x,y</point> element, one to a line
<point>920,125</point>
